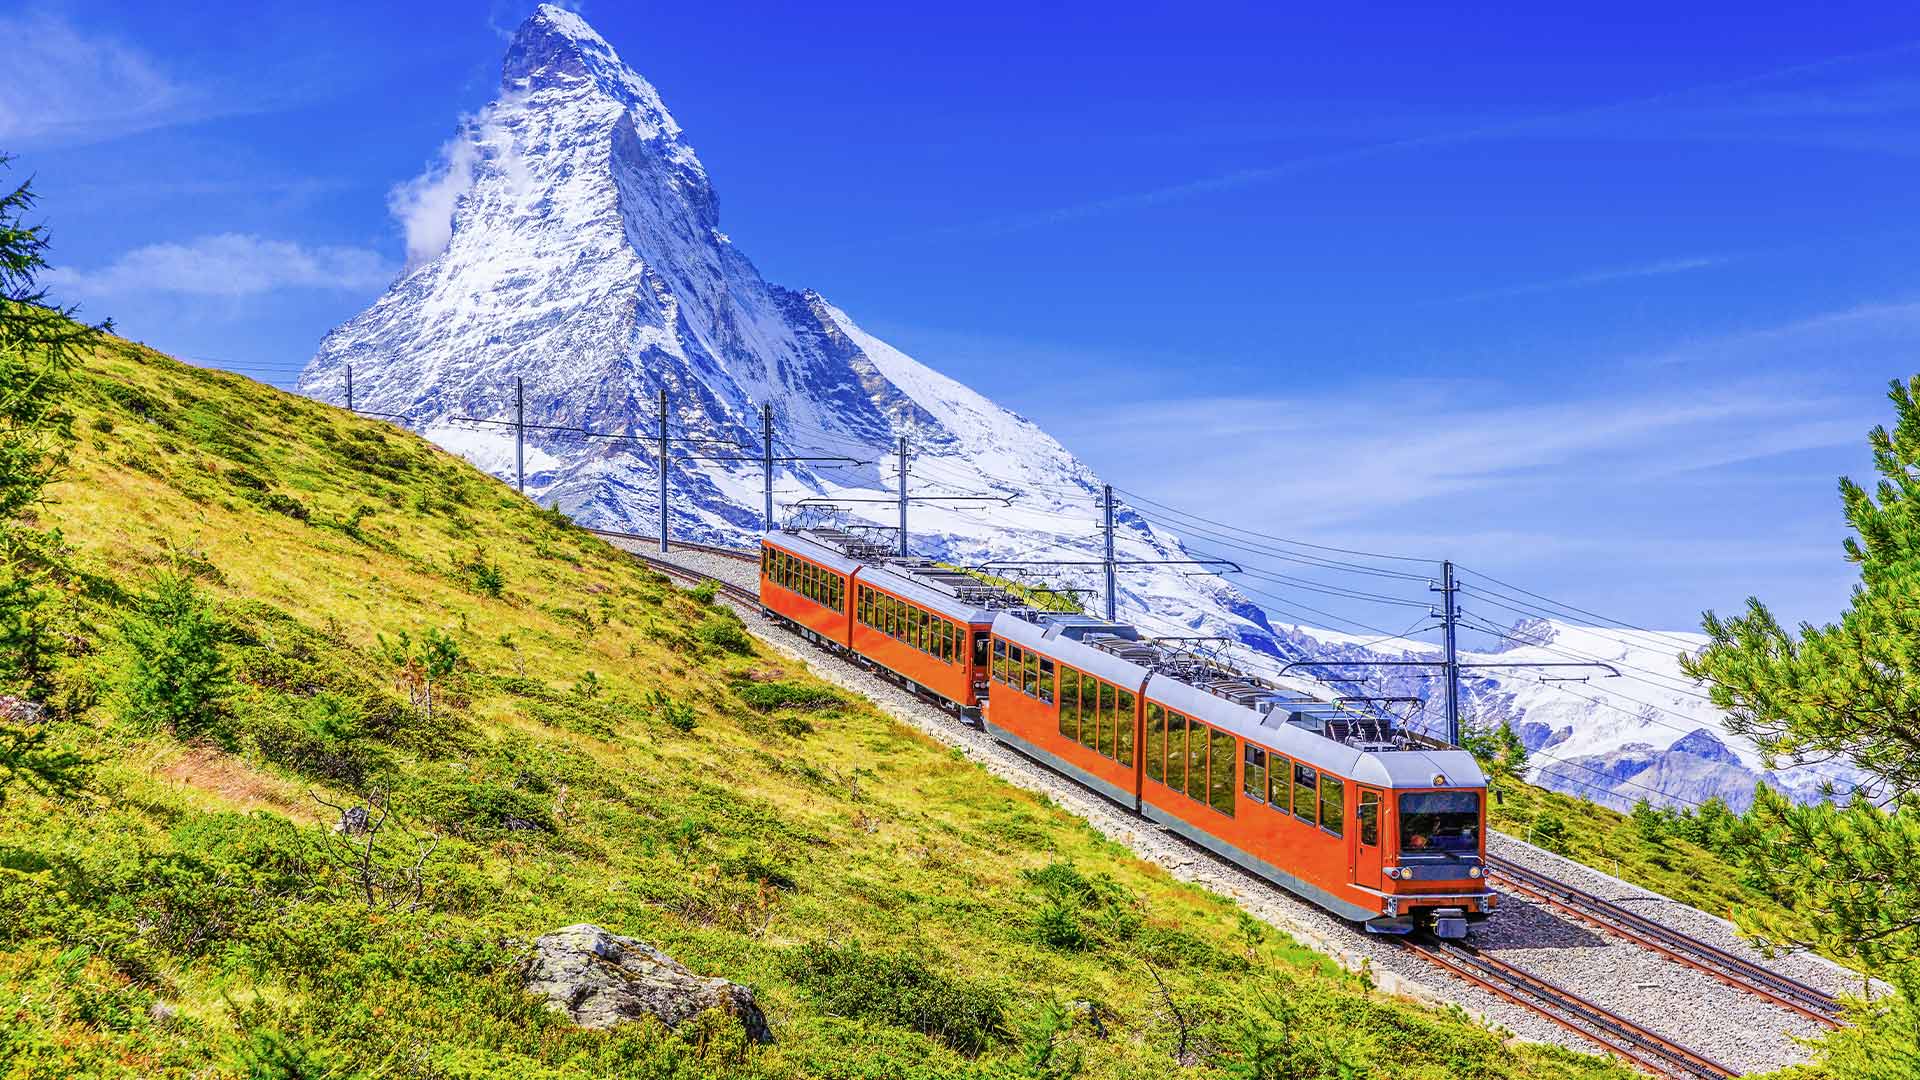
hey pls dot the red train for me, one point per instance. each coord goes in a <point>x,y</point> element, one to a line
<point>1329,801</point>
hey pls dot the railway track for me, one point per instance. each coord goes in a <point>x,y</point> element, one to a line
<point>711,549</point>
<point>1621,1037</point>
<point>1732,969</point>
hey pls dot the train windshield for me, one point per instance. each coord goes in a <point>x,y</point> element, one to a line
<point>1439,821</point>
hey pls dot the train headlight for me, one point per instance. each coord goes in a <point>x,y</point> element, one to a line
<point>1473,871</point>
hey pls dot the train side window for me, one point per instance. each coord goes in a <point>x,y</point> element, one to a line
<point>1123,731</point>
<point>1369,815</point>
<point>1333,810</point>
<point>1197,760</point>
<point>1105,746</point>
<point>1279,776</point>
<point>1176,751</point>
<point>1255,780</point>
<point>999,660</point>
<point>1156,741</point>
<point>1220,790</point>
<point>1046,680</point>
<point>1305,799</point>
<point>1090,713</point>
<point>1069,703</point>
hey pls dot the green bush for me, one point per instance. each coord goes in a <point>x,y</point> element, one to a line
<point>464,805</point>
<point>174,676</point>
<point>899,988</point>
<point>810,697</point>
<point>706,590</point>
<point>724,632</point>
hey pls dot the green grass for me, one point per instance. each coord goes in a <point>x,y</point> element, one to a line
<point>609,750</point>
<point>1617,844</point>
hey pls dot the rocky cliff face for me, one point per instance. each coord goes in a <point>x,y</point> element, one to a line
<point>571,240</point>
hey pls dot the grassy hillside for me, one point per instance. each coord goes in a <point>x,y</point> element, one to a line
<point>1642,849</point>
<point>605,748</point>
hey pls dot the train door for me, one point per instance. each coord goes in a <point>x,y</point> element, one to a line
<point>1367,847</point>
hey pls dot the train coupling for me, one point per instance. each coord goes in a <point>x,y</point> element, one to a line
<point>1449,923</point>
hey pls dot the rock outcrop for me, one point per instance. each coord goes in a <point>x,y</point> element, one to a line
<point>599,979</point>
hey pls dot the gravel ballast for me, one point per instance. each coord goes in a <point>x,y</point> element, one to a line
<point>1733,1027</point>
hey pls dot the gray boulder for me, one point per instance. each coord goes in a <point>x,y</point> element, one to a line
<point>21,711</point>
<point>599,979</point>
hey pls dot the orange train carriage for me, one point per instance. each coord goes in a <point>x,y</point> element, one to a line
<point>1331,803</point>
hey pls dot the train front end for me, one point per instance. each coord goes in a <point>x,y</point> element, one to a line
<point>1430,816</point>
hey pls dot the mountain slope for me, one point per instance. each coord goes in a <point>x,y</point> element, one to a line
<point>608,749</point>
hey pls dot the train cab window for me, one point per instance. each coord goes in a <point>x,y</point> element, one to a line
<point>1220,789</point>
<point>1196,760</point>
<point>1333,810</point>
<point>1306,801</point>
<point>1046,680</point>
<point>980,648</point>
<point>1255,780</point>
<point>1369,815</point>
<point>1156,741</point>
<point>1439,821</point>
<point>1123,729</point>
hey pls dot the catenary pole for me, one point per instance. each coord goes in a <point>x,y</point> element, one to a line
<point>1449,616</point>
<point>1112,601</point>
<point>663,470</point>
<point>349,387</point>
<point>520,434</point>
<point>766,441</point>
<point>903,494</point>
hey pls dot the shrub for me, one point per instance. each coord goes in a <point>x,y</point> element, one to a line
<point>282,503</point>
<point>482,575</point>
<point>672,712</point>
<point>899,988</point>
<point>175,678</point>
<point>705,591</point>
<point>726,634</point>
<point>809,697</point>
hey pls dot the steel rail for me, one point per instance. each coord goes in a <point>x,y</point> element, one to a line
<point>1730,968</point>
<point>1619,1036</point>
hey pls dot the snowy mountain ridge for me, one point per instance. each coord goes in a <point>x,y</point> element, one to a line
<point>580,251</point>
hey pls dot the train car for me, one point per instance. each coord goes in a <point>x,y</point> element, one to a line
<point>1393,838</point>
<point>809,584</point>
<point>1329,803</point>
<point>914,620</point>
<point>1075,709</point>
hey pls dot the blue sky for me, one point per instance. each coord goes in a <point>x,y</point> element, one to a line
<point>1600,302</point>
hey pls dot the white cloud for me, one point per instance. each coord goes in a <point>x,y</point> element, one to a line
<point>62,85</point>
<point>230,265</point>
<point>423,206</point>
<point>1661,268</point>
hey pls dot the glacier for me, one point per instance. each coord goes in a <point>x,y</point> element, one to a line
<point>581,253</point>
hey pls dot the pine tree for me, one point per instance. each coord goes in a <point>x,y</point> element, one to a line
<point>38,343</point>
<point>1845,692</point>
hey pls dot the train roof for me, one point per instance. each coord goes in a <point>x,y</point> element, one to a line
<point>1364,744</point>
<point>957,595</point>
<point>1361,743</point>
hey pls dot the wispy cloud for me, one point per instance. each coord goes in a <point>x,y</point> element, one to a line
<point>228,265</point>
<point>1662,268</point>
<point>1547,124</point>
<point>65,85</point>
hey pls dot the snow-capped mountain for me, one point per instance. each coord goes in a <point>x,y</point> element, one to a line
<point>571,239</point>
